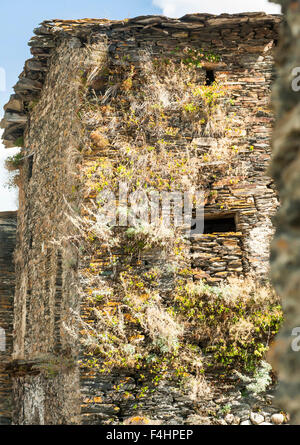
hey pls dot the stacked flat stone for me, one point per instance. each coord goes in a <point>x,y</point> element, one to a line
<point>8,222</point>
<point>43,112</point>
<point>227,33</point>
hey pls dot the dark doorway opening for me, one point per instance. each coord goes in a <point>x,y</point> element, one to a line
<point>30,166</point>
<point>210,77</point>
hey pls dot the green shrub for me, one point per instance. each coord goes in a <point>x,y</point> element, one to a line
<point>19,142</point>
<point>14,162</point>
<point>234,322</point>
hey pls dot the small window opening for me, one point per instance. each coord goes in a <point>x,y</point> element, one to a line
<point>210,77</point>
<point>30,166</point>
<point>221,225</point>
<point>213,224</point>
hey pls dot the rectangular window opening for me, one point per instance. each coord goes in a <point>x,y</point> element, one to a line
<point>222,224</point>
<point>215,224</point>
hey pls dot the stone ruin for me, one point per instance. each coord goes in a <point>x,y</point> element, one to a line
<point>42,117</point>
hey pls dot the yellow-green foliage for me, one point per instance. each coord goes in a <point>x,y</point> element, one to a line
<point>195,58</point>
<point>229,326</point>
<point>147,112</point>
<point>14,162</point>
<point>130,321</point>
<point>235,321</point>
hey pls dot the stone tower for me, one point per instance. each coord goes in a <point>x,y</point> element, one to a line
<point>79,114</point>
<point>8,223</point>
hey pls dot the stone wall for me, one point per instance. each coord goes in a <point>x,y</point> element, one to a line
<point>44,116</point>
<point>8,223</point>
<point>45,284</point>
<point>244,66</point>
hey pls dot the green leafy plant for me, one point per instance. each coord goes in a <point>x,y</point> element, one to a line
<point>14,162</point>
<point>195,57</point>
<point>260,381</point>
<point>234,322</point>
<point>19,142</point>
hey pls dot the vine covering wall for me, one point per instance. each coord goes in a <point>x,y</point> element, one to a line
<point>142,319</point>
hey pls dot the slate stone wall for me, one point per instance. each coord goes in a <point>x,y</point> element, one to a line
<point>8,227</point>
<point>46,287</point>
<point>245,44</point>
<point>43,116</point>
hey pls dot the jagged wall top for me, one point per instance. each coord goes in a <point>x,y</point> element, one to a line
<point>51,32</point>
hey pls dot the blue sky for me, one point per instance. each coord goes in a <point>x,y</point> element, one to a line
<point>18,19</point>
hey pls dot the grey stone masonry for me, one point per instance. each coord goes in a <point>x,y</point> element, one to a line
<point>8,222</point>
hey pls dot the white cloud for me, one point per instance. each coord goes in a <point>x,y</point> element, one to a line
<point>8,198</point>
<point>177,8</point>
